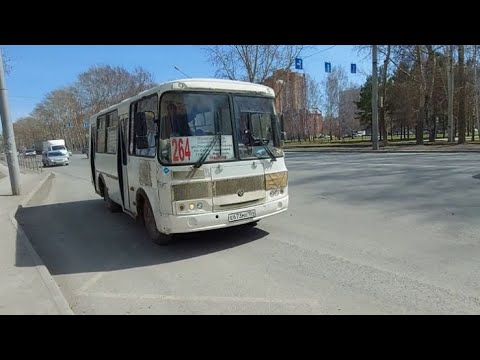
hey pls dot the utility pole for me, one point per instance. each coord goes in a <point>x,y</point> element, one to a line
<point>451,137</point>
<point>374,98</point>
<point>8,135</point>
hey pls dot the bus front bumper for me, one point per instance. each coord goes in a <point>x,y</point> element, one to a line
<point>218,220</point>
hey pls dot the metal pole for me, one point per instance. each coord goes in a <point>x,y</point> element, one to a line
<point>8,135</point>
<point>451,135</point>
<point>477,110</point>
<point>374,98</point>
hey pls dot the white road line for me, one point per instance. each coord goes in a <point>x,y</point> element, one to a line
<point>218,299</point>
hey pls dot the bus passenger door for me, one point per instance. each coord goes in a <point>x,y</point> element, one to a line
<point>123,162</point>
<point>92,149</point>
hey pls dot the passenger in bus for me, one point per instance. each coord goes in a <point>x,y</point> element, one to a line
<point>243,129</point>
<point>176,124</point>
<point>151,138</point>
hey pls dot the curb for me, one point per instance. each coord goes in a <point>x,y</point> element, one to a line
<point>57,296</point>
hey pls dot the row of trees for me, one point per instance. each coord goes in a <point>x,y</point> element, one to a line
<point>95,89</point>
<point>414,91</point>
<point>102,86</point>
<point>413,88</point>
<point>257,63</point>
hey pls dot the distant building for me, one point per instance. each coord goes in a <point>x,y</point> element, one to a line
<point>315,122</point>
<point>290,100</point>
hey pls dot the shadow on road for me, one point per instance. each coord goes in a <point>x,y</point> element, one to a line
<point>79,237</point>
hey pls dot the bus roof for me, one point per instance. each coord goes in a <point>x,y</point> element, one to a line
<point>204,84</point>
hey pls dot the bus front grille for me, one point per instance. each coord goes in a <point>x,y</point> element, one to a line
<point>223,190</point>
<point>192,190</point>
<point>233,186</point>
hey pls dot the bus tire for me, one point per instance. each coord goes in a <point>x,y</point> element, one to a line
<point>157,237</point>
<point>111,205</point>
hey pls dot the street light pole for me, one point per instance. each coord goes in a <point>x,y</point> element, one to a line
<point>8,135</point>
<point>374,98</point>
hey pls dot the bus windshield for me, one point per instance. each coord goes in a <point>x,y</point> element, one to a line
<point>258,127</point>
<point>197,127</point>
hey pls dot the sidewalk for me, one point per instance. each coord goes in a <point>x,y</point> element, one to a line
<point>26,286</point>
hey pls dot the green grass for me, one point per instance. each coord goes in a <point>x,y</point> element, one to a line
<point>360,141</point>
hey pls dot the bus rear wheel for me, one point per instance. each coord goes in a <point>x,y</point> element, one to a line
<point>151,226</point>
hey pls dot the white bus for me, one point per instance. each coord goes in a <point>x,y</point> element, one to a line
<point>191,155</point>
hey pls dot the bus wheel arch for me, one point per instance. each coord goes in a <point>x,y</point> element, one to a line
<point>146,216</point>
<point>111,205</point>
<point>101,186</point>
<point>140,199</point>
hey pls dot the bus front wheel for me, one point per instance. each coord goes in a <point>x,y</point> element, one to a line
<point>151,226</point>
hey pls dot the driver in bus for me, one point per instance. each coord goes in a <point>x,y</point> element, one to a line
<point>176,124</point>
<point>173,125</point>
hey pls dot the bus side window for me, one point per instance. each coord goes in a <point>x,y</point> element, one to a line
<point>150,106</point>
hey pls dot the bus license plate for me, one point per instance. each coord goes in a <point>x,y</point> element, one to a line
<point>242,215</point>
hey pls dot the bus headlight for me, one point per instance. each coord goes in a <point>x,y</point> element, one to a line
<point>275,192</point>
<point>192,207</point>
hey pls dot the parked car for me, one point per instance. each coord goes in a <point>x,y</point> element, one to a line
<point>51,158</point>
<point>30,152</point>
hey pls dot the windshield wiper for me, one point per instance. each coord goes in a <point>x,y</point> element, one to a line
<point>254,141</point>
<point>209,148</point>
<point>267,149</point>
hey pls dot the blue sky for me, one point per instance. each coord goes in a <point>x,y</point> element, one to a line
<point>38,69</point>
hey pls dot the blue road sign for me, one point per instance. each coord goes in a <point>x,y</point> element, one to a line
<point>298,64</point>
<point>353,68</point>
<point>328,67</point>
<point>69,125</point>
<point>85,125</point>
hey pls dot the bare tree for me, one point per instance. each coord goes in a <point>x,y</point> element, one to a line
<point>312,104</point>
<point>253,63</point>
<point>102,86</point>
<point>333,85</point>
<point>347,120</point>
<point>95,89</point>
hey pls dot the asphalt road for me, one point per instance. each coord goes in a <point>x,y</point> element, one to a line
<point>364,234</point>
